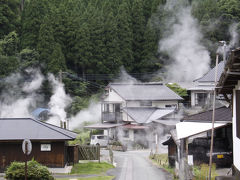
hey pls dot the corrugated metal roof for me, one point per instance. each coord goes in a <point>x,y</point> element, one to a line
<point>22,128</point>
<point>210,75</point>
<point>144,91</point>
<point>222,114</point>
<point>230,76</point>
<point>187,129</point>
<point>146,114</point>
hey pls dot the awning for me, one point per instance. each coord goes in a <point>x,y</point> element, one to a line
<point>187,129</point>
<point>102,126</point>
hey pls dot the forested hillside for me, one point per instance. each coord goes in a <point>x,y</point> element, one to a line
<point>94,38</point>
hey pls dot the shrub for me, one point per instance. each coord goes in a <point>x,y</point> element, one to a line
<point>36,171</point>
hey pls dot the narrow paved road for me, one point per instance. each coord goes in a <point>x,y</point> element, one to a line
<point>135,165</point>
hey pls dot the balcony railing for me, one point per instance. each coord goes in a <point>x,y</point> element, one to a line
<point>112,117</point>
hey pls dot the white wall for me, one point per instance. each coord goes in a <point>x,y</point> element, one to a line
<point>236,141</point>
<point>126,117</point>
<point>113,96</point>
<point>159,104</point>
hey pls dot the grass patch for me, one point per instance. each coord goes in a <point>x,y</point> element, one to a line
<point>201,172</point>
<point>162,161</point>
<point>91,168</point>
<point>91,178</point>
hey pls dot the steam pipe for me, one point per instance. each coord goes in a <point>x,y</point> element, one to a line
<point>213,117</point>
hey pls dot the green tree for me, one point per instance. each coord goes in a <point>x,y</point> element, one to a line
<point>177,89</point>
<point>8,65</point>
<point>32,18</point>
<point>46,43</point>
<point>29,59</point>
<point>112,52</point>
<point>57,60</point>
<point>9,16</point>
<point>9,45</point>
<point>125,35</point>
<point>138,27</point>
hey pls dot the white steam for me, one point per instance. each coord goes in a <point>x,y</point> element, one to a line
<point>35,84</point>
<point>183,45</point>
<point>90,114</point>
<point>58,102</point>
<point>124,77</point>
<point>234,41</point>
<point>17,100</point>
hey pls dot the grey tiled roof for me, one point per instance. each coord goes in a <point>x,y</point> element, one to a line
<point>22,128</point>
<point>222,114</point>
<point>146,114</point>
<point>210,75</point>
<point>144,91</point>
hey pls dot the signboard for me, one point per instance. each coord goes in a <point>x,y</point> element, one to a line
<point>27,146</point>
<point>190,160</point>
<point>45,147</point>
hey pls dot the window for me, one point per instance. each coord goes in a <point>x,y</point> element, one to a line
<point>171,106</point>
<point>106,91</point>
<point>200,99</point>
<point>145,103</point>
<point>117,107</point>
<point>102,137</point>
<point>126,133</point>
<point>238,113</point>
<point>45,147</point>
<point>106,108</point>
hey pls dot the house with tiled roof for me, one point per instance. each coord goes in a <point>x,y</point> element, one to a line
<point>49,142</point>
<point>193,135</point>
<point>201,93</point>
<point>229,86</point>
<point>134,106</point>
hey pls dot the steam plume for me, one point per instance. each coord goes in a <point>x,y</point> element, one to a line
<point>58,101</point>
<point>183,44</point>
<point>90,114</point>
<point>18,98</point>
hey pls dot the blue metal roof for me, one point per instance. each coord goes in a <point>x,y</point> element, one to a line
<point>36,113</point>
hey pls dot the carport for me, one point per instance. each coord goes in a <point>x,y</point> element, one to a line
<point>107,127</point>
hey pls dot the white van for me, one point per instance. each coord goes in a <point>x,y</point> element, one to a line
<point>101,140</point>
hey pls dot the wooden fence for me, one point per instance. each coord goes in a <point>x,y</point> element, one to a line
<point>88,152</point>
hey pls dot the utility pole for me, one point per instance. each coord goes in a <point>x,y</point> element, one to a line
<point>213,118</point>
<point>60,76</point>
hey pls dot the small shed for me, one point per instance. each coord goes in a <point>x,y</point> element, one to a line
<point>49,142</point>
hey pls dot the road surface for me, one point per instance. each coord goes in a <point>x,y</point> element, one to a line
<point>135,165</point>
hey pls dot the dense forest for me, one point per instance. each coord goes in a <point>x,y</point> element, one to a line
<point>89,40</point>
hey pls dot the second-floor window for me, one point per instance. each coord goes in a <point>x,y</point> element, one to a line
<point>106,108</point>
<point>200,99</point>
<point>145,103</point>
<point>112,107</point>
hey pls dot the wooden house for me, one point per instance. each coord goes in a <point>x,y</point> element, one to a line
<point>49,142</point>
<point>229,87</point>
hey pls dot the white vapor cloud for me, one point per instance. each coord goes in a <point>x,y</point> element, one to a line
<point>183,45</point>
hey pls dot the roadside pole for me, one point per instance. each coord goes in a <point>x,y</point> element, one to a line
<point>26,152</point>
<point>213,119</point>
<point>27,149</point>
